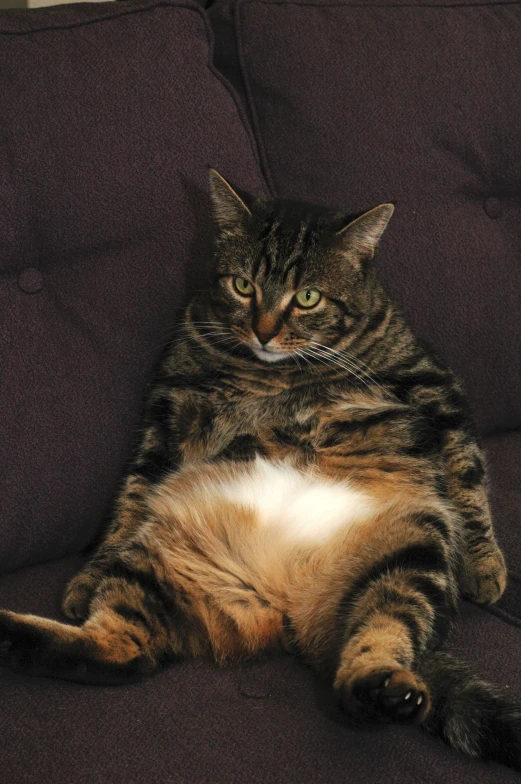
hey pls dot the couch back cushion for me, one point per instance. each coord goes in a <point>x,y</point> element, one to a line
<point>357,103</point>
<point>110,115</point>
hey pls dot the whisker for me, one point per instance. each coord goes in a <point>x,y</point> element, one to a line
<point>350,361</point>
<point>356,364</point>
<point>306,360</point>
<point>305,352</point>
<point>336,361</point>
<point>331,361</point>
<point>311,353</point>
<point>194,336</point>
<point>190,336</point>
<point>294,356</point>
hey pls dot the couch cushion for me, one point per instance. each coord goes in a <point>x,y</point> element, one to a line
<point>110,115</point>
<point>265,723</point>
<point>356,103</point>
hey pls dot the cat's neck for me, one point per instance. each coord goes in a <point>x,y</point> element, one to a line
<point>382,339</point>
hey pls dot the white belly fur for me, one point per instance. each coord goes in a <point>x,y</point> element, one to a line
<point>301,505</point>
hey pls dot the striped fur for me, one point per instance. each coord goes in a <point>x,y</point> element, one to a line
<point>307,478</point>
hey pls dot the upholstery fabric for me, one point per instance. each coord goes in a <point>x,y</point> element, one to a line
<point>357,103</point>
<point>110,115</point>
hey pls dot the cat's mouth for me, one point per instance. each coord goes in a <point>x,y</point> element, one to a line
<point>267,354</point>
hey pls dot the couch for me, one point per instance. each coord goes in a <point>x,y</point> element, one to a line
<point>110,115</point>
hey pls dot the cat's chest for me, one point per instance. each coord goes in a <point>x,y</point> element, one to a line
<point>242,426</point>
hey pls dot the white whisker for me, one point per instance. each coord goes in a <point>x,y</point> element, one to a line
<point>348,359</point>
<point>311,353</point>
<point>306,360</point>
<point>334,361</point>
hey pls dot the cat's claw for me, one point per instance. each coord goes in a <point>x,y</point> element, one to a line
<point>386,696</point>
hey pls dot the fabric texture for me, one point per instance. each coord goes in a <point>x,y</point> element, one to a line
<point>358,103</point>
<point>110,116</point>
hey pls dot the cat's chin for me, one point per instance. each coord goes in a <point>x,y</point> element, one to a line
<point>267,355</point>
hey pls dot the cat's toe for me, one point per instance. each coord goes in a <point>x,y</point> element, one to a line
<point>77,598</point>
<point>387,695</point>
<point>484,579</point>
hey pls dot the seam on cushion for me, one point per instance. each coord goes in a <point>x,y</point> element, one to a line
<point>498,612</point>
<point>235,98</point>
<point>253,111</point>
<point>503,615</point>
<point>259,146</point>
<point>238,16</point>
<point>114,14</point>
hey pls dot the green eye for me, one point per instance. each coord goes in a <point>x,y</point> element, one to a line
<point>308,298</point>
<point>243,286</point>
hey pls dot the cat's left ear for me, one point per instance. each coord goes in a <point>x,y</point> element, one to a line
<point>361,236</point>
<point>229,207</point>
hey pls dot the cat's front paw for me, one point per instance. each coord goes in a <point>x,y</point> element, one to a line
<point>484,577</point>
<point>385,695</point>
<point>78,596</point>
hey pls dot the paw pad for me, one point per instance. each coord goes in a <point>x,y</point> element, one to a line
<point>387,696</point>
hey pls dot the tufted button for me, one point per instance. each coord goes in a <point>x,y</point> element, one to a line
<point>493,207</point>
<point>30,280</point>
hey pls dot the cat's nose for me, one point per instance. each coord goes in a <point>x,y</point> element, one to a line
<point>265,329</point>
<point>264,337</point>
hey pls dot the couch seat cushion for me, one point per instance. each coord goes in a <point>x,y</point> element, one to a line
<point>110,115</point>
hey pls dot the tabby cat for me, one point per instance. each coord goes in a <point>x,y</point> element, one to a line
<point>308,479</point>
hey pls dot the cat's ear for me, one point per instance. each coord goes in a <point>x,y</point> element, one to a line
<point>361,236</point>
<point>229,208</point>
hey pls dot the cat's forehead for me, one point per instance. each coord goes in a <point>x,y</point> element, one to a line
<point>285,243</point>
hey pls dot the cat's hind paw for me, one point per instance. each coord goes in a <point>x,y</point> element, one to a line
<point>385,696</point>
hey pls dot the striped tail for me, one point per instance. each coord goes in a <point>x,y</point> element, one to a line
<point>470,714</point>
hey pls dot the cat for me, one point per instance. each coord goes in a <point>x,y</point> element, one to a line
<point>307,479</point>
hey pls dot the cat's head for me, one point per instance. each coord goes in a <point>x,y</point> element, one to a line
<point>290,278</point>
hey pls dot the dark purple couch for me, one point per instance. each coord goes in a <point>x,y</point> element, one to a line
<point>110,115</point>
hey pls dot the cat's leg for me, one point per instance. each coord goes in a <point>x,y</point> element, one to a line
<point>128,515</point>
<point>157,455</point>
<point>136,623</point>
<point>394,622</point>
<point>388,619</point>
<point>483,574</point>
<point>108,651</point>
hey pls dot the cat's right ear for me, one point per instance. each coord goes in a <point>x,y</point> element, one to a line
<point>360,237</point>
<point>229,209</point>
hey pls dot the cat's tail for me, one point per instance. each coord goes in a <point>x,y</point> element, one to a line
<point>111,652</point>
<point>470,714</point>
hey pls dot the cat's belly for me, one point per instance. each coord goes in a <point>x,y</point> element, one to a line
<point>300,505</point>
